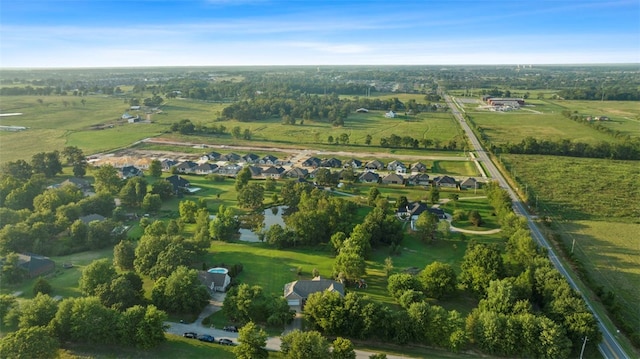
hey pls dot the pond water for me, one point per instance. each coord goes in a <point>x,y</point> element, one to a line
<point>272,216</point>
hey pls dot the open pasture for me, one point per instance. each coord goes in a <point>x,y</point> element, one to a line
<point>624,116</point>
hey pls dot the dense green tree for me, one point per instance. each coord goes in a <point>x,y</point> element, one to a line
<point>155,168</point>
<point>11,271</point>
<point>142,326</point>
<point>225,225</point>
<point>180,292</point>
<point>102,204</point>
<point>342,349</point>
<point>133,192</point>
<point>304,345</point>
<point>47,163</point>
<point>106,180</point>
<point>86,320</point>
<point>434,194</point>
<point>427,226</point>
<point>163,188</point>
<point>242,178</point>
<point>124,253</point>
<point>188,210</point>
<point>20,169</point>
<point>251,196</point>
<point>122,292</point>
<point>42,286</point>
<point>438,280</point>
<point>349,264</point>
<point>99,272</point>
<point>175,254</point>
<point>397,284</point>
<point>374,193</point>
<point>76,158</point>
<point>252,341</point>
<point>475,218</point>
<point>31,342</point>
<point>481,264</point>
<point>38,311</point>
<point>7,303</point>
<point>246,303</point>
<point>100,234</point>
<point>337,239</point>
<point>148,250</point>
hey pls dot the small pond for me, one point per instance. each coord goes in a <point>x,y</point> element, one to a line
<point>271,216</point>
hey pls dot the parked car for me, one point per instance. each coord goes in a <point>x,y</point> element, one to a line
<point>225,341</point>
<point>230,328</point>
<point>207,338</point>
<point>191,335</point>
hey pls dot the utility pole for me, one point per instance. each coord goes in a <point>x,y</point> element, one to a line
<point>584,344</point>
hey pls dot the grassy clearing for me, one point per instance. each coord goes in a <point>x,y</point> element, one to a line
<point>624,115</point>
<point>611,256</point>
<point>580,188</point>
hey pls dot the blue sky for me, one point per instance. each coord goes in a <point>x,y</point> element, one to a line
<point>122,33</point>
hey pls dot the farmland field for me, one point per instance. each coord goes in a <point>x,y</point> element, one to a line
<point>602,217</point>
<point>543,119</point>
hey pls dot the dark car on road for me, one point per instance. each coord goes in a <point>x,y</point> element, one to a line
<point>191,335</point>
<point>207,338</point>
<point>230,328</point>
<point>225,341</point>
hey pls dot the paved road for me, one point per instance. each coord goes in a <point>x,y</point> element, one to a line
<point>609,347</point>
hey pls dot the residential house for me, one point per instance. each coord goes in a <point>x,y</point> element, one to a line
<point>353,163</point>
<point>418,167</point>
<point>296,172</point>
<point>369,177</point>
<point>470,183</point>
<point>393,178</point>
<point>167,164</point>
<point>215,279</point>
<point>419,179</point>
<point>230,170</point>
<point>312,162</point>
<point>211,156</point>
<point>179,184</point>
<point>445,181</point>
<point>205,168</point>
<point>269,160</point>
<point>36,265</point>
<point>397,167</point>
<point>231,157</point>
<point>331,163</point>
<point>296,293</point>
<point>374,165</point>
<point>92,217</point>
<point>251,158</point>
<point>186,167</point>
<point>390,114</point>
<point>127,172</point>
<point>414,209</point>
<point>255,171</point>
<point>273,172</point>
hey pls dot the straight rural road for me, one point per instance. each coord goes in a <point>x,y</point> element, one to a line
<point>609,347</point>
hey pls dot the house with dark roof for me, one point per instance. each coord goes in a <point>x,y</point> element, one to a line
<point>179,184</point>
<point>127,172</point>
<point>296,172</point>
<point>396,166</point>
<point>418,179</point>
<point>470,183</point>
<point>91,218</point>
<point>36,265</point>
<point>331,163</point>
<point>269,160</point>
<point>81,183</point>
<point>374,165</point>
<point>231,157</point>
<point>211,156</point>
<point>255,171</point>
<point>166,164</point>
<point>205,168</point>
<point>312,162</point>
<point>186,167</point>
<point>273,172</point>
<point>251,158</point>
<point>418,167</point>
<point>445,181</point>
<point>230,170</point>
<point>369,177</point>
<point>353,163</point>
<point>215,279</point>
<point>297,292</point>
<point>414,209</point>
<point>393,178</point>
